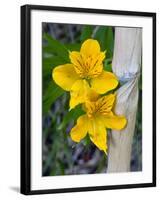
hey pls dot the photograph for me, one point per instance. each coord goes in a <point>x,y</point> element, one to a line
<point>79,99</point>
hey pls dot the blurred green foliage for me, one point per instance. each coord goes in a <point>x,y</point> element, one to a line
<point>60,155</point>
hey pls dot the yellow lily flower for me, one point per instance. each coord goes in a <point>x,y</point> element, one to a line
<point>98,117</point>
<point>84,72</point>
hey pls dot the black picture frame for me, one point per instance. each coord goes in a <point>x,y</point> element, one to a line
<point>25,181</point>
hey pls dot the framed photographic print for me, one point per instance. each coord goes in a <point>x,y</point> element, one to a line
<point>88,99</point>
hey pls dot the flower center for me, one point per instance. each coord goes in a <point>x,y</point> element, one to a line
<point>99,107</point>
<point>88,67</point>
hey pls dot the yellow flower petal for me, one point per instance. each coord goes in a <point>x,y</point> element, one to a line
<point>97,60</point>
<point>113,121</point>
<point>87,66</point>
<point>105,82</point>
<point>95,71</point>
<point>92,95</point>
<point>98,133</point>
<point>75,58</point>
<point>94,64</point>
<point>79,131</point>
<point>90,108</point>
<point>78,93</point>
<point>105,103</point>
<point>90,47</point>
<point>77,61</point>
<point>65,76</point>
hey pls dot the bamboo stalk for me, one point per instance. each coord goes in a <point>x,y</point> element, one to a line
<point>126,65</point>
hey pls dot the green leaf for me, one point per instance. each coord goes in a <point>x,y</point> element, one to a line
<point>105,37</point>
<point>110,40</point>
<point>86,141</point>
<point>49,63</point>
<point>108,65</point>
<point>73,46</point>
<point>71,115</point>
<point>86,33</point>
<point>55,47</point>
<point>48,50</point>
<point>51,93</point>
